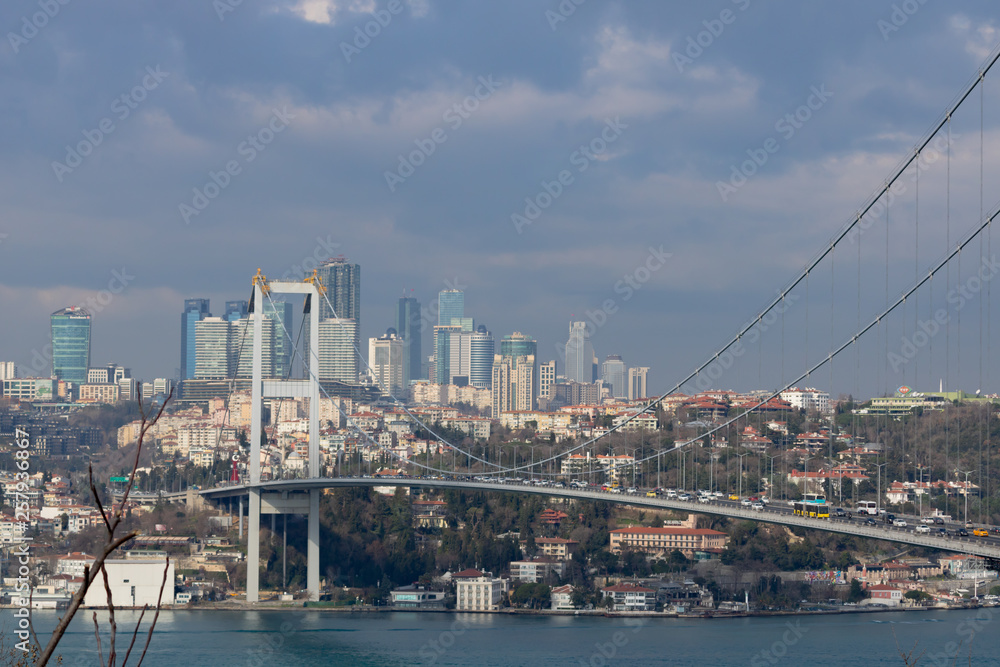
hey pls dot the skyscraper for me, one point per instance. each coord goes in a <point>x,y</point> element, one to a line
<point>481,358</point>
<point>637,383</point>
<point>579,354</point>
<point>513,384</point>
<point>281,312</point>
<point>451,304</point>
<point>71,344</point>
<point>195,310</point>
<point>236,310</point>
<point>613,373</point>
<point>337,359</point>
<point>241,347</point>
<point>387,357</point>
<point>408,322</point>
<point>519,345</point>
<point>447,353</point>
<point>213,349</point>
<point>342,281</point>
<point>546,377</point>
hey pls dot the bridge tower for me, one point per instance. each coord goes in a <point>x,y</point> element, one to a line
<point>306,502</point>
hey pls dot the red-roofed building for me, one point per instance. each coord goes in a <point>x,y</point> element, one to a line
<point>661,541</point>
<point>552,517</point>
<point>883,594</point>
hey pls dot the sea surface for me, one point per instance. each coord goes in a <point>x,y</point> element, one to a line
<point>306,638</point>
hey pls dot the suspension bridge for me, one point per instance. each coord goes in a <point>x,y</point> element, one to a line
<point>855,313</point>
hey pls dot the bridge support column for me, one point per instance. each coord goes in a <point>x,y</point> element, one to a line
<point>312,552</point>
<point>240,518</point>
<point>253,547</point>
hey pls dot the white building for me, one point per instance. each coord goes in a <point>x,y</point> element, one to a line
<point>8,370</point>
<point>807,399</point>
<point>337,360</point>
<point>73,564</point>
<point>134,583</point>
<point>546,376</point>
<point>387,358</point>
<point>513,384</point>
<point>637,382</point>
<point>478,591</point>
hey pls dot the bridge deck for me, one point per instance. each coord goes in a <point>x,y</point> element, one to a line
<point>988,548</point>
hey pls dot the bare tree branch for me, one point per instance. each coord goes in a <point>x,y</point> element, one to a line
<point>111,524</point>
<point>135,633</point>
<point>156,616</point>
<point>97,633</point>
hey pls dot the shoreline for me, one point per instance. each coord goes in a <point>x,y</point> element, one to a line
<point>702,614</point>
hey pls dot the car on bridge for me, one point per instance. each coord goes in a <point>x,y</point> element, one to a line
<point>745,502</point>
<point>733,496</point>
<point>899,523</point>
<point>923,528</point>
<point>840,512</point>
<point>980,532</point>
<point>961,532</point>
<point>871,522</point>
<point>757,506</point>
<point>685,497</point>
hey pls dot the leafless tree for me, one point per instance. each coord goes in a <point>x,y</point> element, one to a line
<point>112,517</point>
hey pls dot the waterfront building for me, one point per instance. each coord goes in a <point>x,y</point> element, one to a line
<point>479,591</point>
<point>195,310</point>
<point>71,344</point>
<point>630,597</point>
<point>537,570</point>
<point>133,583</point>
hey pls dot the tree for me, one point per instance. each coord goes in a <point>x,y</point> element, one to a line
<point>916,596</point>
<point>112,518</point>
<point>857,593</point>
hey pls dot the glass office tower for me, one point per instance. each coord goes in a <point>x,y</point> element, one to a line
<point>71,344</point>
<point>451,304</point>
<point>195,310</point>
<point>408,327</point>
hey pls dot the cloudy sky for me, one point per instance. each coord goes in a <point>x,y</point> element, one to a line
<point>539,155</point>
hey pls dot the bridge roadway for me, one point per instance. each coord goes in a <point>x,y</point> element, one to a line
<point>989,547</point>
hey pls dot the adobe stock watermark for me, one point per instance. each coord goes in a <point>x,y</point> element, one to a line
<point>786,126</point>
<point>454,116</point>
<point>967,630</point>
<point>372,29</point>
<point>779,649</point>
<point>934,151</point>
<point>223,7</point>
<point>696,45</point>
<point>580,158</point>
<point>21,555</point>
<point>268,651</point>
<point>608,653</point>
<point>433,649</point>
<point>724,361</point>
<point>122,107</point>
<point>248,150</point>
<point>31,26</point>
<point>323,250</point>
<point>927,329</point>
<point>564,10</point>
<point>627,287</point>
<point>899,17</point>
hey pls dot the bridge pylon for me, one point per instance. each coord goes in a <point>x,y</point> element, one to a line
<point>306,502</point>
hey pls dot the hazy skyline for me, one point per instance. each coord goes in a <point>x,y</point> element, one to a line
<point>546,158</point>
